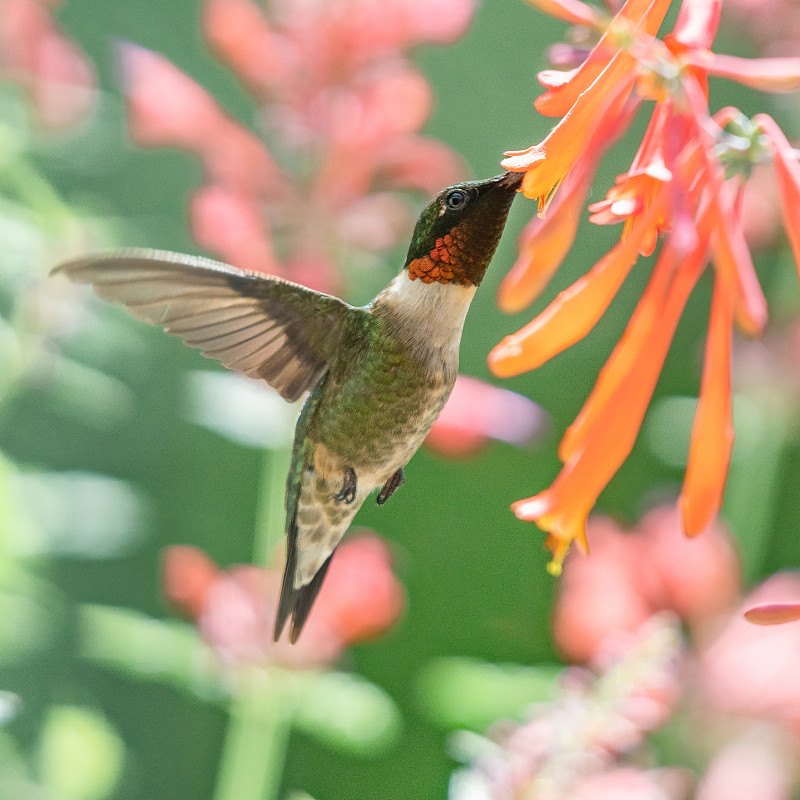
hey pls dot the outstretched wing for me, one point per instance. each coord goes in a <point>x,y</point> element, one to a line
<point>263,326</point>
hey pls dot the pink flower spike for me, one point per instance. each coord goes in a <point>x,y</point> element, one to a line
<point>572,11</point>
<point>477,412</point>
<point>231,226</point>
<point>763,74</point>
<point>697,23</point>
<point>51,68</point>
<point>773,613</point>
<point>165,106</point>
<point>238,32</point>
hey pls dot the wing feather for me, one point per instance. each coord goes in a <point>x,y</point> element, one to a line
<point>261,325</point>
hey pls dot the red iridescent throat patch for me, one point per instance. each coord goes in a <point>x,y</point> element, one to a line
<point>444,264</point>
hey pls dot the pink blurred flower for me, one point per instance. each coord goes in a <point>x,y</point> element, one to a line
<point>629,783</point>
<point>755,766</point>
<point>52,69</point>
<point>750,670</point>
<point>575,746</point>
<point>772,25</point>
<point>341,106</point>
<point>477,412</point>
<point>631,576</point>
<point>235,609</point>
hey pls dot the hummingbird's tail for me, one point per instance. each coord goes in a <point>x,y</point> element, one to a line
<point>297,602</point>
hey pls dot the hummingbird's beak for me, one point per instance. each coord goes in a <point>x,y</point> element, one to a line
<point>510,180</point>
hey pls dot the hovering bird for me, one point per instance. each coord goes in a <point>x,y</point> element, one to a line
<point>378,376</point>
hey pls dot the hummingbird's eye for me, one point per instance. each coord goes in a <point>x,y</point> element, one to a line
<point>456,200</point>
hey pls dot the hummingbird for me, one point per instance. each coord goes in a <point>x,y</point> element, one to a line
<point>376,377</point>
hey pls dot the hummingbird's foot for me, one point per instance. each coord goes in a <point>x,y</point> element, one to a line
<point>391,486</point>
<point>348,493</point>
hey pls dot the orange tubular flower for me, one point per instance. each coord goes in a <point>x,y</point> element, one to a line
<point>546,241</point>
<point>712,435</point>
<point>546,164</point>
<point>682,189</point>
<point>573,313</point>
<point>573,11</point>
<point>787,171</point>
<point>562,509</point>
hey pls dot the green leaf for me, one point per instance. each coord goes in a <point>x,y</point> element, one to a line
<point>163,651</point>
<point>80,755</point>
<point>466,693</point>
<point>346,712</point>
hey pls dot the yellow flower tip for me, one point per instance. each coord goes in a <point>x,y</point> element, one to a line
<point>554,568</point>
<point>559,548</point>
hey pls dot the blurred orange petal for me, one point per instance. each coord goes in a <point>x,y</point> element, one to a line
<point>763,74</point>
<point>51,68</point>
<point>187,576</point>
<point>420,162</point>
<point>787,172</point>
<point>545,242</point>
<point>647,15</point>
<point>547,163</point>
<point>573,313</point>
<point>561,509</point>
<point>697,23</point>
<point>573,11</point>
<point>167,108</point>
<point>773,613</point>
<point>735,264</point>
<point>712,433</point>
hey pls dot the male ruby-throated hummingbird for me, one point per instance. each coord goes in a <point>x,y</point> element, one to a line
<point>378,376</point>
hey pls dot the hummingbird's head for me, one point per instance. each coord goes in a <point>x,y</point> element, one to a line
<point>457,233</point>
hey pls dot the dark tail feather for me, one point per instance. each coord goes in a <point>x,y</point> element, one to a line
<point>297,603</point>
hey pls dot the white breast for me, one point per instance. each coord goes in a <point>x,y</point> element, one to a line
<point>428,316</point>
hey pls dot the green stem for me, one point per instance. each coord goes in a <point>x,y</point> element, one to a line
<point>255,744</point>
<point>261,712</point>
<point>762,428</point>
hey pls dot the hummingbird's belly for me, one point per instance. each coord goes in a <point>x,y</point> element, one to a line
<point>378,437</point>
<point>374,446</point>
<point>371,420</point>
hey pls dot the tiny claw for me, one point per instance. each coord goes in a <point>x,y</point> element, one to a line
<point>348,492</point>
<point>391,486</point>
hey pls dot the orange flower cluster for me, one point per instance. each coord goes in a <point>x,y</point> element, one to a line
<point>678,190</point>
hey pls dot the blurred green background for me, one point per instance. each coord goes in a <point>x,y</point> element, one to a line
<point>474,575</point>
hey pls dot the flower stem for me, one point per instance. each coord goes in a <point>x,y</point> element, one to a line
<point>255,743</point>
<point>262,708</point>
